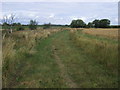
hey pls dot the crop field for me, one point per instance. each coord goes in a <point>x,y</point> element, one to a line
<point>60,58</point>
<point>110,33</point>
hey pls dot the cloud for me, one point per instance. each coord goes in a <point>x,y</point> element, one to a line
<point>36,17</point>
<point>116,19</point>
<point>61,12</point>
<point>83,18</point>
<point>52,15</point>
<point>1,16</point>
<point>76,17</point>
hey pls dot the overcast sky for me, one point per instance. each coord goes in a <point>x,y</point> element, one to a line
<point>61,12</point>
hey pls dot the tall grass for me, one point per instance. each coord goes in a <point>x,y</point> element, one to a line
<point>17,47</point>
<point>103,51</point>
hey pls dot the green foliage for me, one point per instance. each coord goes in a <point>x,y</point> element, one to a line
<point>20,28</point>
<point>5,24</point>
<point>103,23</point>
<point>15,26</point>
<point>96,23</point>
<point>90,25</point>
<point>78,24</point>
<point>46,26</point>
<point>33,24</point>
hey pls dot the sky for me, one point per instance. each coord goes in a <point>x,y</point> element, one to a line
<point>60,12</point>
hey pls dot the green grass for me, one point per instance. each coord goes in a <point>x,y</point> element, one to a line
<point>84,69</point>
<point>41,70</point>
<point>102,49</point>
<point>38,70</point>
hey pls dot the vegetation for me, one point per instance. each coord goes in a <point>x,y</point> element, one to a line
<point>109,33</point>
<point>90,25</point>
<point>46,26</point>
<point>8,23</point>
<point>103,23</point>
<point>59,58</point>
<point>18,48</point>
<point>13,26</point>
<point>33,24</point>
<point>85,42</point>
<point>78,24</point>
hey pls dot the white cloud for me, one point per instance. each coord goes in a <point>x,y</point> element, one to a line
<point>116,19</point>
<point>61,12</point>
<point>36,17</point>
<point>52,15</point>
<point>75,18</point>
<point>1,16</point>
<point>30,14</point>
<point>83,18</point>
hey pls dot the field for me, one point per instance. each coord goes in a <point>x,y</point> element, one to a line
<point>61,58</point>
<point>110,33</point>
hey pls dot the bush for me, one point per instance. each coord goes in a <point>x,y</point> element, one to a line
<point>46,26</point>
<point>33,24</point>
<point>78,24</point>
<point>20,28</point>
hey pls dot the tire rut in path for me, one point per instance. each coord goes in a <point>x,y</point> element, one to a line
<point>64,74</point>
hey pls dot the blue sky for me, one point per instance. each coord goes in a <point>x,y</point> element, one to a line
<point>61,12</point>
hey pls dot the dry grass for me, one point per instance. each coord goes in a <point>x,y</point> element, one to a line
<point>25,39</point>
<point>16,47</point>
<point>110,33</point>
<point>103,50</point>
<point>21,44</point>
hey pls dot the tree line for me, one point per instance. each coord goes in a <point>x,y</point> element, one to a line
<point>9,24</point>
<point>103,23</point>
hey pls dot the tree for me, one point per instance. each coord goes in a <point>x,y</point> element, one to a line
<point>78,24</point>
<point>90,25</point>
<point>33,24</point>
<point>5,23</point>
<point>104,23</point>
<point>18,26</point>
<point>8,22</point>
<point>45,26</point>
<point>73,24</point>
<point>96,23</point>
<point>11,21</point>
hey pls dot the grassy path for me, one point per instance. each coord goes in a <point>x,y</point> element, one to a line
<point>64,74</point>
<point>41,70</point>
<point>58,63</point>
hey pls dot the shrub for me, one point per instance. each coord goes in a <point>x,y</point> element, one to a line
<point>78,24</point>
<point>20,28</point>
<point>46,26</point>
<point>33,24</point>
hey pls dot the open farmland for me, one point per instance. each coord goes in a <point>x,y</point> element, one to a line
<point>59,44</point>
<point>61,58</point>
<point>110,32</point>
